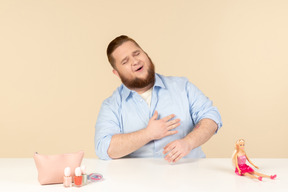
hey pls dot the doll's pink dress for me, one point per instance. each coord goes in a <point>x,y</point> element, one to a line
<point>242,166</point>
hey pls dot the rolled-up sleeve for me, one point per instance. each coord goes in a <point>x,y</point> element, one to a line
<point>201,107</point>
<point>107,125</point>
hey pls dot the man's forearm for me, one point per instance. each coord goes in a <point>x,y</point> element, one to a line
<point>124,144</point>
<point>201,133</point>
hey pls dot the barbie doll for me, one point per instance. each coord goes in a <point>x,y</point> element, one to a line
<point>239,161</point>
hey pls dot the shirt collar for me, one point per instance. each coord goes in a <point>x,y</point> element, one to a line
<point>158,83</point>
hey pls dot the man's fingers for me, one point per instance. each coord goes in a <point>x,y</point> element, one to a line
<point>176,150</point>
<point>173,156</point>
<point>168,147</point>
<point>177,158</point>
<point>173,126</point>
<point>167,118</point>
<point>155,115</point>
<point>169,123</point>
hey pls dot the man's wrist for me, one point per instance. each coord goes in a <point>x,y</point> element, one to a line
<point>189,142</point>
<point>146,134</point>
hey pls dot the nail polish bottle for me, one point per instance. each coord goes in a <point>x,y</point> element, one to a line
<point>84,175</point>
<point>67,181</point>
<point>78,177</point>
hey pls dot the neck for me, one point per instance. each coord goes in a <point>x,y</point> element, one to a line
<point>144,89</point>
<point>241,152</point>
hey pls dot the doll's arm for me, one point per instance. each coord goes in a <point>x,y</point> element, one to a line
<point>236,163</point>
<point>251,162</point>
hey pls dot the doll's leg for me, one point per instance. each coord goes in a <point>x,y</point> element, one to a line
<point>263,175</point>
<point>253,176</point>
<point>260,174</point>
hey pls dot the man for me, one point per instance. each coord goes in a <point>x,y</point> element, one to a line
<point>151,115</point>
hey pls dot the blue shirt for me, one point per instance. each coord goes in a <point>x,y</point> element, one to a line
<point>126,111</point>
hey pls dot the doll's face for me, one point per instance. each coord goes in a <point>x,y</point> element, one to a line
<point>241,145</point>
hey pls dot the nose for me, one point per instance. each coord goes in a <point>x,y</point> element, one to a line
<point>135,61</point>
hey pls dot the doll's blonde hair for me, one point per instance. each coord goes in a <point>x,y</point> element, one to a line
<point>236,150</point>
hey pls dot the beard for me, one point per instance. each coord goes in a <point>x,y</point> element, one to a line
<point>138,83</point>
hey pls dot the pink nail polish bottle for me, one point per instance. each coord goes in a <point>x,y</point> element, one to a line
<point>67,182</point>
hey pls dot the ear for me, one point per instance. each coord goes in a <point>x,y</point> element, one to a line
<point>115,73</point>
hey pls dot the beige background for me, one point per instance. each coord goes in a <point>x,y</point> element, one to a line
<point>54,73</point>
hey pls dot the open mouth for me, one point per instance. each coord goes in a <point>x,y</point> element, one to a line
<point>139,68</point>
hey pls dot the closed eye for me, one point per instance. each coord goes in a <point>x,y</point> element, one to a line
<point>136,53</point>
<point>125,61</point>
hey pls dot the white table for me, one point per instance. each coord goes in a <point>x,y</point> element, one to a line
<point>147,175</point>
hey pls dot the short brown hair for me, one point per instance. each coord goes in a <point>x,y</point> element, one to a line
<point>116,43</point>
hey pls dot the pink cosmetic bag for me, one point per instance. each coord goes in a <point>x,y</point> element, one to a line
<point>51,167</point>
